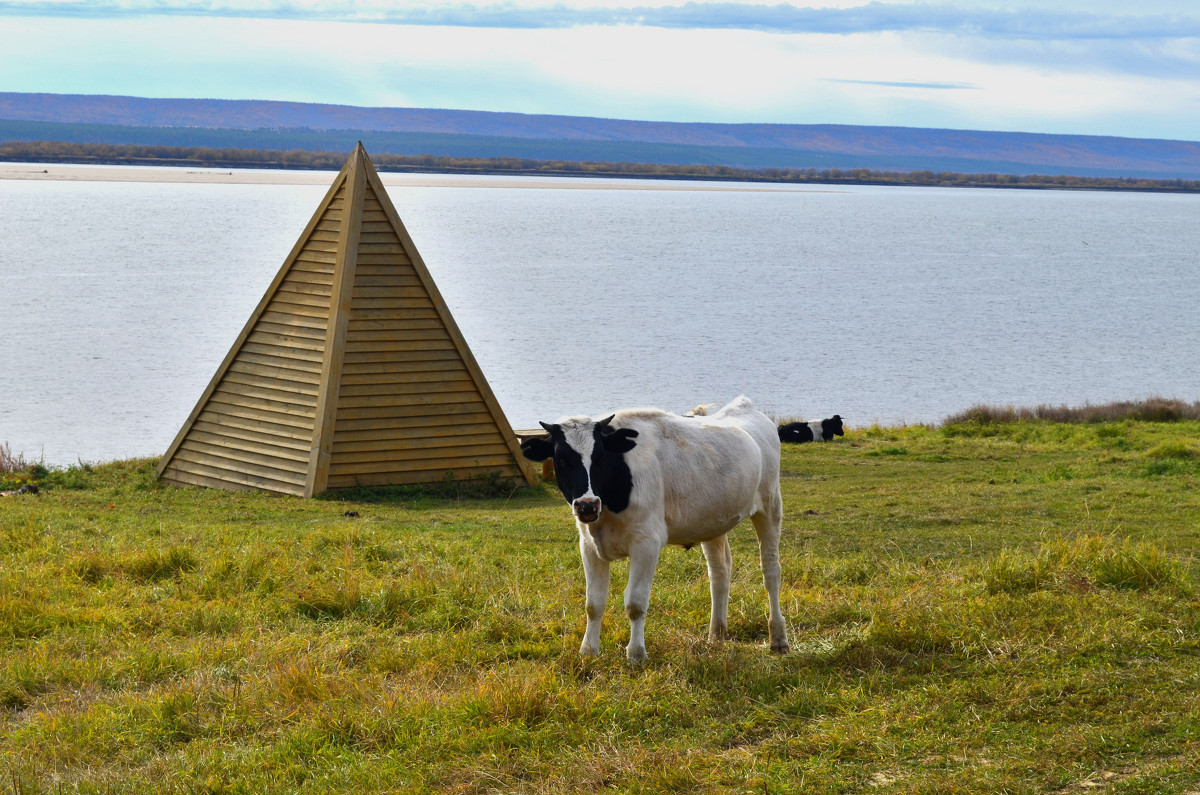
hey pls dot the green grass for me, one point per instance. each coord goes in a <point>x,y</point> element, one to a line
<point>988,607</point>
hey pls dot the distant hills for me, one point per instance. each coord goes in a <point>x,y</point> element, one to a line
<point>252,124</point>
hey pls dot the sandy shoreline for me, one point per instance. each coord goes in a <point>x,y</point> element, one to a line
<point>93,173</point>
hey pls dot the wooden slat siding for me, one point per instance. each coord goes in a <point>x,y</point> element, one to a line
<point>391,386</point>
<point>321,453</point>
<point>244,458</point>
<point>385,426</point>
<point>430,429</point>
<point>242,440</point>
<point>260,379</point>
<point>220,411</point>
<point>239,471</point>
<point>285,439</point>
<point>523,465</point>
<point>464,467</point>
<point>286,329</point>
<point>281,373</point>
<point>386,449</point>
<point>329,211</point>
<point>281,362</point>
<point>412,478</point>
<point>190,473</point>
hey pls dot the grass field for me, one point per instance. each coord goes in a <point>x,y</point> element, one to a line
<point>987,607</point>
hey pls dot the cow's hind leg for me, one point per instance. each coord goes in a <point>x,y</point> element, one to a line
<point>643,560</point>
<point>720,564</point>
<point>768,524</point>
<point>596,574</point>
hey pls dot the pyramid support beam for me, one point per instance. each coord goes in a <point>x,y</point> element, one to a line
<point>350,371</point>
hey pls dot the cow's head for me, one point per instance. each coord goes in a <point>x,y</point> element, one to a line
<point>589,464</point>
<point>833,427</point>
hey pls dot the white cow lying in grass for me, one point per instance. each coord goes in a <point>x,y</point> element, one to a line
<point>641,479</point>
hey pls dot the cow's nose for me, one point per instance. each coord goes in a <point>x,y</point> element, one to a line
<point>587,509</point>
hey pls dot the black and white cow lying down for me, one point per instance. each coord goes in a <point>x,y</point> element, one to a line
<point>816,431</point>
<point>642,478</point>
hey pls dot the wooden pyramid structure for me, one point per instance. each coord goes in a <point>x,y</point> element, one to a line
<point>350,371</point>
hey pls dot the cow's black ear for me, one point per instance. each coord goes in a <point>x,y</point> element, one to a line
<point>536,449</point>
<point>620,440</point>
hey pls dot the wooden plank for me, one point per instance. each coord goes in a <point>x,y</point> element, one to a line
<point>250,454</point>
<point>267,432</point>
<point>290,342</point>
<point>383,295</point>
<point>402,324</point>
<point>297,298</point>
<point>178,477</point>
<point>280,385</point>
<point>377,237</point>
<point>433,428</point>
<point>375,249</point>
<point>385,426</point>
<point>401,372</point>
<point>198,438</point>
<point>312,271</point>
<point>390,358</point>
<point>325,235</point>
<point>238,395</point>
<point>386,449</point>
<point>381,417</point>
<point>234,466</point>
<point>364,339</point>
<point>385,260</point>
<point>416,387</point>
<point>301,378</point>
<point>298,355</point>
<point>288,319</point>
<point>286,305</point>
<point>290,330</point>
<point>219,411</point>
<point>308,370</point>
<point>392,299</point>
<point>415,478</point>
<point>223,478</point>
<point>440,464</point>
<point>420,398</point>
<point>320,258</point>
<point>314,246</point>
<point>363,348</point>
<point>320,455</point>
<point>427,312</point>
<point>382,383</point>
<point>306,287</point>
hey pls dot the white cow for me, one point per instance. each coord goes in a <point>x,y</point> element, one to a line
<point>641,479</point>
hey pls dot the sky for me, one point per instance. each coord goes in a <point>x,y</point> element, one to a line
<point>1095,67</point>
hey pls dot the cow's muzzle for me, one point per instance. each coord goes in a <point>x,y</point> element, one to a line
<point>587,509</point>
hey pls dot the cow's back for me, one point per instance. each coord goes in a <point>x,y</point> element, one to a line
<point>707,473</point>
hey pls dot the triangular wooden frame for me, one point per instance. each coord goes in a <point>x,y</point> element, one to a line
<point>269,418</point>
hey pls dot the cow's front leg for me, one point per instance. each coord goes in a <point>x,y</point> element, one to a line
<point>720,564</point>
<point>643,560</point>
<point>596,574</point>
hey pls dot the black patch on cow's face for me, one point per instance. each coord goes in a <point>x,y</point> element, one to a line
<point>832,427</point>
<point>606,471</point>
<point>797,432</point>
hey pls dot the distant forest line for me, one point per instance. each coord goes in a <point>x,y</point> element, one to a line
<point>207,157</point>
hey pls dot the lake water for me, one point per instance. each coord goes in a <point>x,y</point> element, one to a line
<point>889,305</point>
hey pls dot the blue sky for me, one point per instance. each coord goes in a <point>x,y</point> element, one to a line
<point>1075,66</point>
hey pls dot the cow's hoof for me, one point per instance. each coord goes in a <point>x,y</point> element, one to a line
<point>635,656</point>
<point>780,648</point>
<point>589,651</point>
